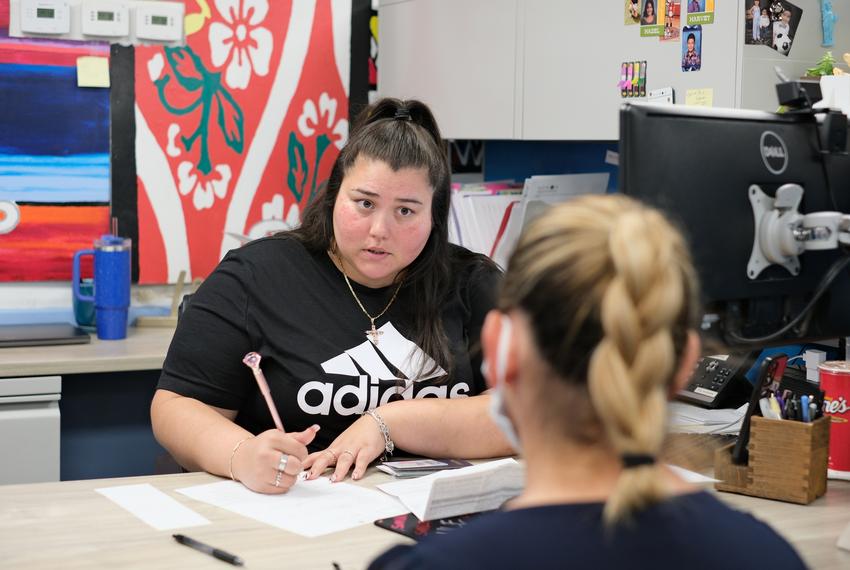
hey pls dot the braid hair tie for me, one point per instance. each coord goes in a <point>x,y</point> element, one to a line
<point>632,460</point>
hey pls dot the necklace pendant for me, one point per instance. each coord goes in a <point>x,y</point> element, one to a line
<point>373,334</point>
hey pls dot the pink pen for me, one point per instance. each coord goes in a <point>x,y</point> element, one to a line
<point>252,361</point>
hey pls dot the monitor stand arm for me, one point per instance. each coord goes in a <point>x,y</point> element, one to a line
<point>782,233</point>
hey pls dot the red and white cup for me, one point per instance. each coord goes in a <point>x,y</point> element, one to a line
<point>835,382</point>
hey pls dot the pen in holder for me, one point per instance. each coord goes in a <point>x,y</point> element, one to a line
<point>787,461</point>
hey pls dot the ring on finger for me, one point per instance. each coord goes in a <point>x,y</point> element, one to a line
<point>277,478</point>
<point>348,452</point>
<point>281,465</point>
<point>332,454</point>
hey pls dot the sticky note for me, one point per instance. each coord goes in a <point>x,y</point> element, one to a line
<point>700,97</point>
<point>92,71</point>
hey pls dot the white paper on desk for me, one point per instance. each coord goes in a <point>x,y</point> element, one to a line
<point>692,476</point>
<point>153,506</point>
<point>450,493</point>
<point>844,539</point>
<point>309,508</point>
<point>687,418</point>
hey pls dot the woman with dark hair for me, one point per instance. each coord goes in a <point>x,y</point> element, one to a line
<point>595,329</point>
<point>648,17</point>
<point>365,317</point>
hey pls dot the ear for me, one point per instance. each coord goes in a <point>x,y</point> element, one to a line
<point>490,333</point>
<point>690,355</point>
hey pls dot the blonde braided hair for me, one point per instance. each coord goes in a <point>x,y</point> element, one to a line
<point>610,290</point>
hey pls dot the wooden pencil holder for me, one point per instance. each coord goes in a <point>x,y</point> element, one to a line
<point>787,461</point>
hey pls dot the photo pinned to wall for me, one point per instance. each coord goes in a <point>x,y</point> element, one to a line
<point>700,12</point>
<point>692,48</point>
<point>672,20</point>
<point>631,16</point>
<point>785,18</point>
<point>757,23</point>
<point>651,22</point>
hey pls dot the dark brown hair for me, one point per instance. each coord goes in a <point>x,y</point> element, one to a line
<point>403,134</point>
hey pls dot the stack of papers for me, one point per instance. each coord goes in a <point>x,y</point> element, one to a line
<point>420,467</point>
<point>445,494</point>
<point>687,418</point>
<point>488,218</point>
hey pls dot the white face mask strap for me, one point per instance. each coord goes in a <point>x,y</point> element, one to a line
<point>503,350</point>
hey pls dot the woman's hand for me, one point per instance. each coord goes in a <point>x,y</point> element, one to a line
<point>357,446</point>
<point>255,464</point>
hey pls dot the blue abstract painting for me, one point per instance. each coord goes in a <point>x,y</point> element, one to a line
<point>55,142</point>
<point>54,158</point>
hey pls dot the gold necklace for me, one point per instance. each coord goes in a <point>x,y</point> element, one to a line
<point>373,333</point>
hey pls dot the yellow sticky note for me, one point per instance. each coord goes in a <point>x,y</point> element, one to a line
<point>700,97</point>
<point>92,71</point>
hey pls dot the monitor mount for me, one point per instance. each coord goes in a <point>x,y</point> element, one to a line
<point>782,233</point>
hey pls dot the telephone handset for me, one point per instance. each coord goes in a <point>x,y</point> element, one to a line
<point>769,378</point>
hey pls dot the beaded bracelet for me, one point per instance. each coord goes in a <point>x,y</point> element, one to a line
<point>389,446</point>
<point>233,454</point>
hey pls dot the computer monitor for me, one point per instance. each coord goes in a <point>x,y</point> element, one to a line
<point>698,165</point>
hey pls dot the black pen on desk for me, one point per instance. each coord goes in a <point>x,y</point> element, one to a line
<point>207,549</point>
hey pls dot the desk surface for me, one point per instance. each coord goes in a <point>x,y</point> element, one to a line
<point>68,525</point>
<point>143,349</point>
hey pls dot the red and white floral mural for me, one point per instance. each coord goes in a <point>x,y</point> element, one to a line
<point>236,130</point>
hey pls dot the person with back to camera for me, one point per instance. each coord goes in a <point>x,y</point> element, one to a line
<point>595,329</point>
<point>364,304</point>
<point>648,17</point>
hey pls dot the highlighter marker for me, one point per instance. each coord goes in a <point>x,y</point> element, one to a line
<point>804,408</point>
<point>774,406</point>
<point>781,403</point>
<point>635,79</point>
<point>623,75</point>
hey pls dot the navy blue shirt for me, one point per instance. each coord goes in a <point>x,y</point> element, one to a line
<point>691,531</point>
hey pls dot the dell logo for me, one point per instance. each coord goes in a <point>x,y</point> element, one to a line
<point>774,153</point>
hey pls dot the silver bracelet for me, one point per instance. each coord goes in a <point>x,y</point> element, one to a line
<point>389,446</point>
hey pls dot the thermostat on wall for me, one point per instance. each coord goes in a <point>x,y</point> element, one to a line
<point>160,21</point>
<point>45,16</point>
<point>105,19</point>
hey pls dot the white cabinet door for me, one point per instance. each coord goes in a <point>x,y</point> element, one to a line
<point>29,429</point>
<point>572,56</point>
<point>458,56</point>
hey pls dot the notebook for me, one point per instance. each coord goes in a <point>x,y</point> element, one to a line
<point>42,334</point>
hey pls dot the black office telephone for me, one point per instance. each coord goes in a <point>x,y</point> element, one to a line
<point>719,382</point>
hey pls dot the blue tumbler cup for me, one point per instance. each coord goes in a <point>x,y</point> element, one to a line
<point>111,285</point>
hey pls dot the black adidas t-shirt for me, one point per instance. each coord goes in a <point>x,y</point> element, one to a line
<point>293,307</point>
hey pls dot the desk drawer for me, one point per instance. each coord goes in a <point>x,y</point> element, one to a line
<point>29,429</point>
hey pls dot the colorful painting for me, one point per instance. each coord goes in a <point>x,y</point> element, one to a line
<point>237,130</point>
<point>54,180</point>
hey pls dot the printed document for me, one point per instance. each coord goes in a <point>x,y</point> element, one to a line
<point>309,508</point>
